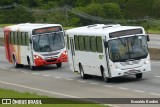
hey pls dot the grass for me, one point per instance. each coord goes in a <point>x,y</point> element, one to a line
<point>3,25</point>
<point>151,31</point>
<point>4,93</point>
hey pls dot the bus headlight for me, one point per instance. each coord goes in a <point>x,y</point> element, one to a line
<point>147,61</point>
<point>113,66</point>
<point>37,57</point>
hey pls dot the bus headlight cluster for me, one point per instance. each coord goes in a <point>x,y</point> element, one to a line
<point>147,61</point>
<point>113,66</point>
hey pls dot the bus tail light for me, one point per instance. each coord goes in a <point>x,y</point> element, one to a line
<point>37,57</point>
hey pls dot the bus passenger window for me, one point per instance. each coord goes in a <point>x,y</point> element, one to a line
<point>76,42</point>
<point>87,43</point>
<point>26,39</point>
<point>93,43</point>
<point>15,38</point>
<point>99,44</point>
<point>68,42</point>
<point>23,38</point>
<point>11,37</point>
<point>81,43</point>
<point>19,38</point>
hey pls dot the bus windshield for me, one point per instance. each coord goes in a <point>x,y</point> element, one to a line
<point>128,48</point>
<point>48,42</point>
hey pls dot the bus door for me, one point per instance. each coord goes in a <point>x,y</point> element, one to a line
<point>72,53</point>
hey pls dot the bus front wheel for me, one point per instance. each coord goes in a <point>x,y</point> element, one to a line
<point>30,66</point>
<point>106,79</point>
<point>139,76</point>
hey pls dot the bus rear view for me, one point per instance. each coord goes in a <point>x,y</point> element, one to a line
<point>108,51</point>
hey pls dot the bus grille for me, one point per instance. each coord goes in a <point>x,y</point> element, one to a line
<point>130,62</point>
<point>132,72</point>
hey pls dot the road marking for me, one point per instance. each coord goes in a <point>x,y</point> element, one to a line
<point>68,79</point>
<point>108,86</point>
<point>122,88</point>
<point>57,77</point>
<point>81,81</point>
<point>93,83</point>
<point>35,73</point>
<point>155,94</point>
<point>4,68</point>
<point>111,105</point>
<point>24,72</point>
<point>46,75</point>
<point>139,91</point>
<point>13,70</point>
<point>36,89</point>
<point>157,76</point>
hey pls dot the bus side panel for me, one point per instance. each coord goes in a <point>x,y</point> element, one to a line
<point>24,52</point>
<point>6,43</point>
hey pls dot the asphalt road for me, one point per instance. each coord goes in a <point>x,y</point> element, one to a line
<point>154,43</point>
<point>61,82</point>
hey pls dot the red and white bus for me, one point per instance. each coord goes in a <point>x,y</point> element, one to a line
<point>35,44</point>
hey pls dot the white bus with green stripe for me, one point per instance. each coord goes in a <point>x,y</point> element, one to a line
<point>108,51</point>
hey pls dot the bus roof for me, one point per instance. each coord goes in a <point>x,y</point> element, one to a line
<point>28,26</point>
<point>99,29</point>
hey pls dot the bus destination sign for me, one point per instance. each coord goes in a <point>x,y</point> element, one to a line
<point>125,32</point>
<point>46,30</point>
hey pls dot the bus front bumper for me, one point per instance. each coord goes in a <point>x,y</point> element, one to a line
<point>49,61</point>
<point>124,72</point>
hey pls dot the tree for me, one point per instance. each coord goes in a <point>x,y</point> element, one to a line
<point>155,9</point>
<point>17,15</point>
<point>112,11</point>
<point>138,8</point>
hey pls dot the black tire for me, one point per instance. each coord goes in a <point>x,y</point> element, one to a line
<point>139,76</point>
<point>15,62</point>
<point>83,75</point>
<point>106,79</point>
<point>59,65</point>
<point>30,66</point>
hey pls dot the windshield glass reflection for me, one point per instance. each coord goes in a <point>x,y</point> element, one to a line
<point>129,48</point>
<point>48,42</point>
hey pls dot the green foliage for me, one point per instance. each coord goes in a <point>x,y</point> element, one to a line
<point>92,9</point>
<point>138,8</point>
<point>16,15</point>
<point>112,11</point>
<point>105,9</point>
<point>155,8</point>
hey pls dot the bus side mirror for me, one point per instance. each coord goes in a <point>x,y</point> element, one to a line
<point>105,44</point>
<point>30,40</point>
<point>148,39</point>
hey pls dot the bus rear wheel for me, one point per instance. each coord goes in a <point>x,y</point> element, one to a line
<point>15,62</point>
<point>59,65</point>
<point>139,76</point>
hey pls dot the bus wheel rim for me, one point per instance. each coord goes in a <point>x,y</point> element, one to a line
<point>104,76</point>
<point>82,73</point>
